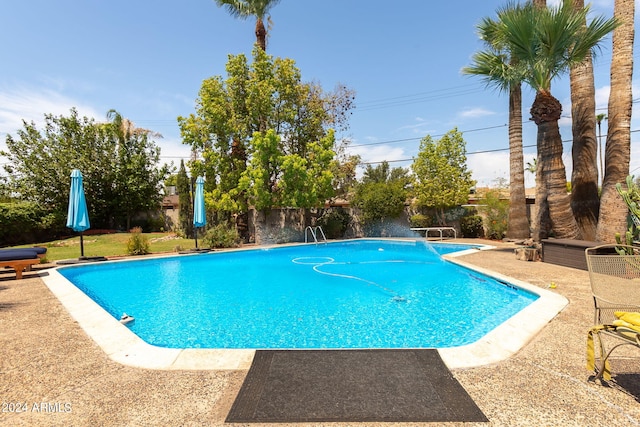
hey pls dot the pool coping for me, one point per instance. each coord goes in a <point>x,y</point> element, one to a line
<point>123,346</point>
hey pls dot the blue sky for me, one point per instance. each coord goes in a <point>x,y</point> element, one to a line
<point>147,60</point>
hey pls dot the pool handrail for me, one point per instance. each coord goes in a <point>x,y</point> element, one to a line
<point>314,232</point>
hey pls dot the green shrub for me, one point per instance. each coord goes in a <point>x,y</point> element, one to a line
<point>334,222</point>
<point>496,213</point>
<point>138,244</point>
<point>421,221</point>
<point>380,201</point>
<point>221,236</point>
<point>149,224</point>
<point>27,222</point>
<point>471,226</point>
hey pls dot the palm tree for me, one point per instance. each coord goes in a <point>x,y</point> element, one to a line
<point>599,118</point>
<point>544,43</point>
<point>518,223</point>
<point>246,8</point>
<point>585,201</point>
<point>542,221</point>
<point>613,210</point>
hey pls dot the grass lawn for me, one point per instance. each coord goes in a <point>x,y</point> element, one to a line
<point>111,245</point>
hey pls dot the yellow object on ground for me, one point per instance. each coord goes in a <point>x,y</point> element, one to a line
<point>591,355</point>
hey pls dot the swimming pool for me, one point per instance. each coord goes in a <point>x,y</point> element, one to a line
<point>353,294</point>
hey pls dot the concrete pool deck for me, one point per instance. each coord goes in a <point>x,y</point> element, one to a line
<point>47,361</point>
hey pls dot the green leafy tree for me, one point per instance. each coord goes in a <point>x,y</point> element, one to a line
<point>138,180</point>
<point>185,205</point>
<point>40,163</point>
<point>345,175</point>
<point>442,179</point>
<point>170,181</point>
<point>265,95</point>
<point>276,179</point>
<point>115,170</point>
<point>382,193</point>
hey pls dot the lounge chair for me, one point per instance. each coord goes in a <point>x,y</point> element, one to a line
<point>614,273</point>
<point>21,259</point>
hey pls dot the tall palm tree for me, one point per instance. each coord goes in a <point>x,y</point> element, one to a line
<point>585,201</point>
<point>545,43</point>
<point>246,8</point>
<point>613,210</point>
<point>542,222</point>
<point>518,224</point>
<point>599,118</point>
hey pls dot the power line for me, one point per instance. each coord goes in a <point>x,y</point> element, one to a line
<point>434,95</point>
<point>419,138</point>
<point>468,154</point>
<point>474,152</point>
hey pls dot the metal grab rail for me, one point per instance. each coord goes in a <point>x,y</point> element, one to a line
<point>314,233</point>
<point>437,229</point>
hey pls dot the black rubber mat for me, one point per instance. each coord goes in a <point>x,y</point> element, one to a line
<point>351,386</point>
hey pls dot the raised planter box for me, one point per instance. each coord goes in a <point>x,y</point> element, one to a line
<point>566,252</point>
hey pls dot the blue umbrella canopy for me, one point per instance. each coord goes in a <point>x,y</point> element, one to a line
<point>77,215</point>
<point>199,217</point>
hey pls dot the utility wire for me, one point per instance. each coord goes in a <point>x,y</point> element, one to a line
<point>473,152</point>
<point>419,138</point>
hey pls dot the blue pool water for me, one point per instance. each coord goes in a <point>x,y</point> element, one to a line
<point>353,294</point>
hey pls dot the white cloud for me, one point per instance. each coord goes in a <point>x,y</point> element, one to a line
<point>602,97</point>
<point>474,113</point>
<point>488,167</point>
<point>172,150</point>
<point>419,127</point>
<point>378,153</point>
<point>31,104</point>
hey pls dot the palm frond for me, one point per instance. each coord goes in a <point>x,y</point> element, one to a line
<point>246,8</point>
<point>495,69</point>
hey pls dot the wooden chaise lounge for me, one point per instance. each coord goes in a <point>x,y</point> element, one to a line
<point>20,259</point>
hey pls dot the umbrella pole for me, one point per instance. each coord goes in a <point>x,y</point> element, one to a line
<point>195,233</point>
<point>81,246</point>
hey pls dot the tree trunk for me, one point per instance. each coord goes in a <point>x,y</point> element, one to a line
<point>546,112</point>
<point>541,223</point>
<point>585,202</point>
<point>613,210</point>
<point>261,35</point>
<point>518,226</point>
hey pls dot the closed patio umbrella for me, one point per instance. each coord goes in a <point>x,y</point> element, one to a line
<point>77,215</point>
<point>199,216</point>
